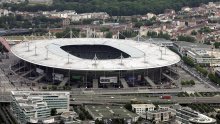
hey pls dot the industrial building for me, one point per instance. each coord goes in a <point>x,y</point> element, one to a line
<point>108,113</point>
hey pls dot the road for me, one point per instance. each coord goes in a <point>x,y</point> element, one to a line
<point>99,99</point>
<point>201,78</point>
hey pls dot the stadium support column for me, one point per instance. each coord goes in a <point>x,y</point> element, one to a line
<point>19,66</point>
<point>71,33</point>
<point>133,77</point>
<point>35,50</point>
<point>69,77</point>
<point>24,66</point>
<point>86,79</point>
<point>160,75</point>
<point>119,77</point>
<point>53,76</point>
<point>30,69</point>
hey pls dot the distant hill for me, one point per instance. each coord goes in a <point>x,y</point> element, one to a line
<point>112,7</point>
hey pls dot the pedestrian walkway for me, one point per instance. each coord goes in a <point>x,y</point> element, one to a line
<point>124,83</point>
<point>95,83</point>
<point>152,84</point>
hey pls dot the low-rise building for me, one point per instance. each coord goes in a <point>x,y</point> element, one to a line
<point>158,115</point>
<point>108,113</point>
<point>35,106</point>
<point>199,53</point>
<point>142,108</point>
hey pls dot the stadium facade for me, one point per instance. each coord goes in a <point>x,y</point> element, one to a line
<point>96,60</point>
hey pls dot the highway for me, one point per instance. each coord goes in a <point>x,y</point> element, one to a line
<point>99,99</point>
<point>105,99</point>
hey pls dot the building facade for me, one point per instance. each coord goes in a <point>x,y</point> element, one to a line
<point>158,116</point>
<point>33,106</point>
<point>142,108</point>
<point>188,116</point>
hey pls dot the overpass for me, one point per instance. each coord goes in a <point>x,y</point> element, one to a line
<point>105,99</point>
<point>92,99</point>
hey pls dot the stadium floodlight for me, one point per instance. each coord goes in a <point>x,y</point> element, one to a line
<point>46,54</point>
<point>68,58</point>
<point>145,59</point>
<point>95,60</point>
<point>121,59</point>
<point>28,46</point>
<point>35,50</point>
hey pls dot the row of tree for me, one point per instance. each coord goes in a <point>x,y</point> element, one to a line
<point>113,7</point>
<point>201,70</point>
<point>190,82</point>
<point>17,21</point>
<point>153,34</point>
<point>214,78</point>
<point>186,38</point>
<point>188,61</point>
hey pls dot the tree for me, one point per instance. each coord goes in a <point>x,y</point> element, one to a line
<point>188,61</point>
<point>217,44</point>
<point>109,34</point>
<point>104,29</point>
<point>152,34</point>
<point>53,111</point>
<point>62,122</point>
<point>186,38</point>
<point>115,8</point>
<point>192,82</point>
<point>128,106</point>
<point>193,32</point>
<point>138,24</point>
<point>66,33</point>
<point>204,30</point>
<point>127,34</point>
<point>81,116</point>
<point>99,121</point>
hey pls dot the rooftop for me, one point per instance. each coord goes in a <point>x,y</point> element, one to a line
<point>30,100</point>
<point>48,53</point>
<point>104,111</point>
<point>143,105</point>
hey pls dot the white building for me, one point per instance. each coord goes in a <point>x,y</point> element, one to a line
<point>159,115</point>
<point>34,106</point>
<point>62,14</point>
<point>186,115</point>
<point>95,15</point>
<point>4,12</point>
<point>48,2</point>
<point>142,108</point>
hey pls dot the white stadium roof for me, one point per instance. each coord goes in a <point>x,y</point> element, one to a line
<point>142,55</point>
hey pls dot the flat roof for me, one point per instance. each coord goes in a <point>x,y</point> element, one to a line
<point>143,105</point>
<point>109,111</point>
<point>48,53</point>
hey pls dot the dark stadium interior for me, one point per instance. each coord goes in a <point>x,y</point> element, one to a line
<point>89,51</point>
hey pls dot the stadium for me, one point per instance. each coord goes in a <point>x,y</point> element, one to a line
<point>94,62</point>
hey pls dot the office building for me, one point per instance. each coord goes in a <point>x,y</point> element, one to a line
<point>142,108</point>
<point>35,106</point>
